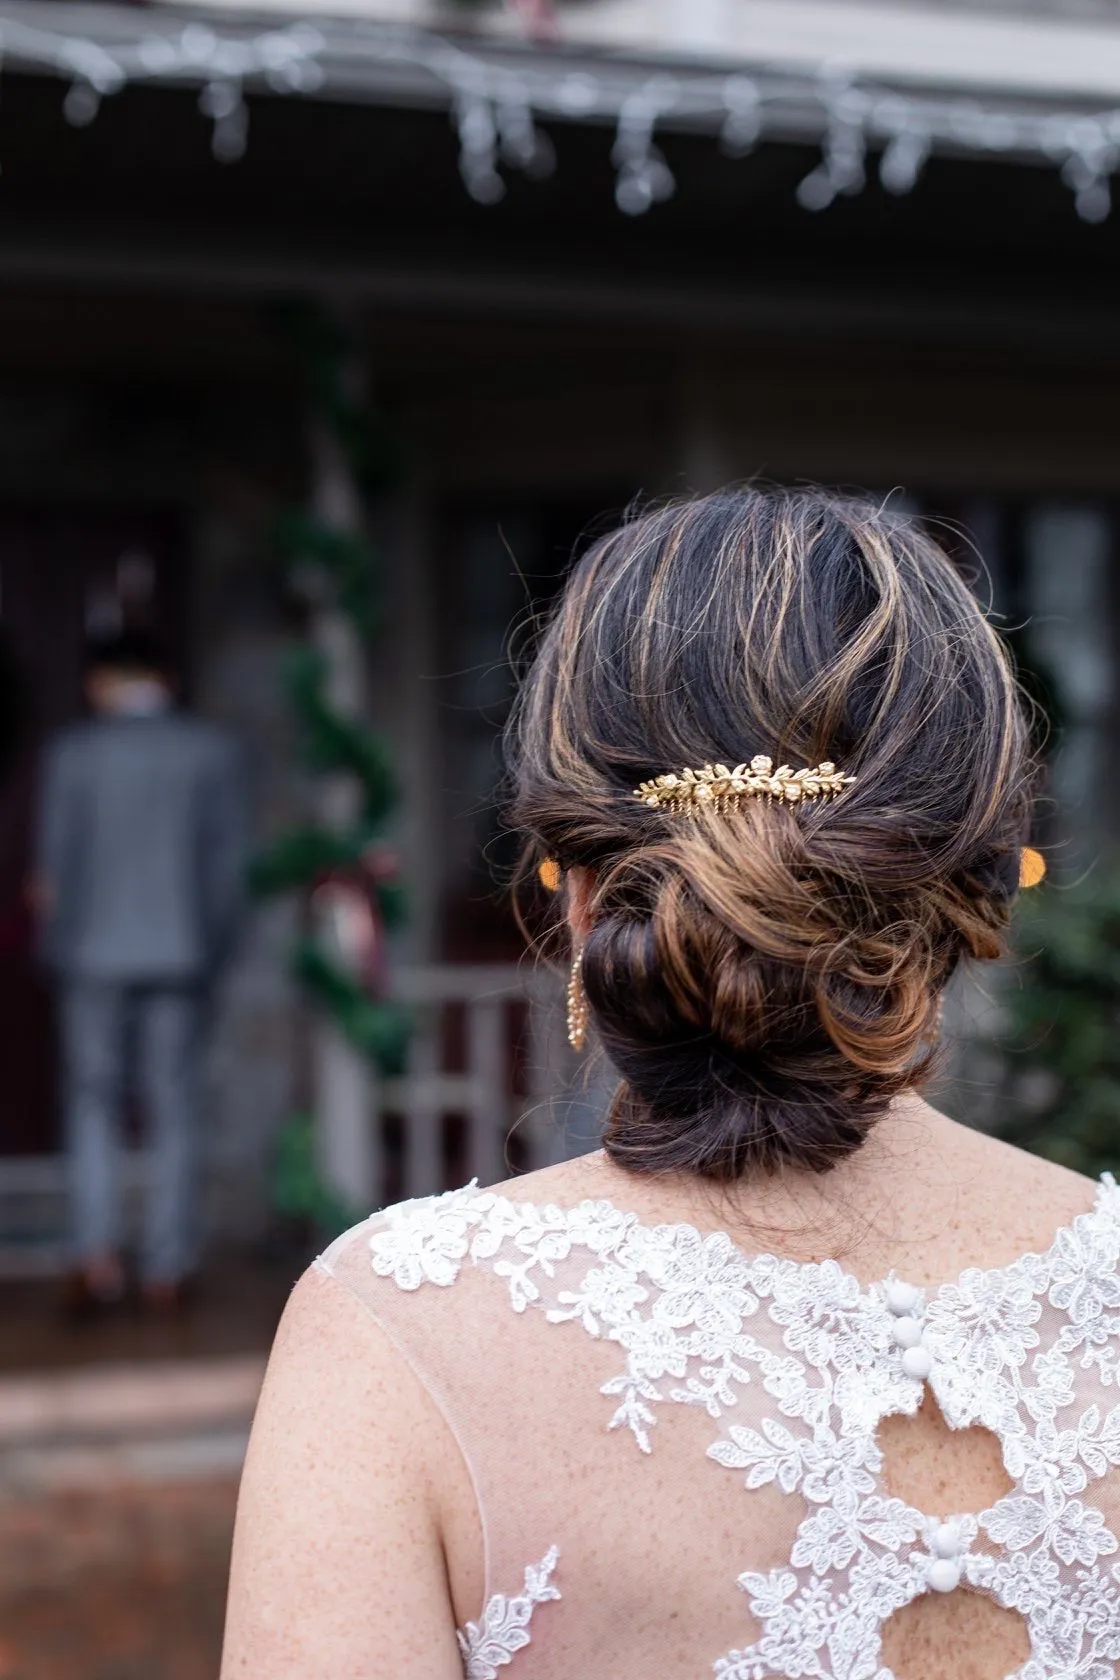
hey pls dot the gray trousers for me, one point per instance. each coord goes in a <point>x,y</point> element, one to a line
<point>162,1025</point>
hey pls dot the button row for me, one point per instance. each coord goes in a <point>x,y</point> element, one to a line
<point>944,1575</point>
<point>945,1571</point>
<point>902,1299</point>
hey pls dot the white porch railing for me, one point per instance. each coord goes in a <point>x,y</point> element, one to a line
<point>510,1082</point>
<point>491,1087</point>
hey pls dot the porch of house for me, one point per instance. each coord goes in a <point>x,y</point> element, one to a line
<point>539,363</point>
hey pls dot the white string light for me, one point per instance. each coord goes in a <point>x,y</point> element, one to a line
<point>499,96</point>
<point>644,178</point>
<point>742,124</point>
<point>284,60</point>
<point>842,168</point>
<point>908,146</point>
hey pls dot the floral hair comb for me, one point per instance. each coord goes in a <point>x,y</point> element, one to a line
<point>715,787</point>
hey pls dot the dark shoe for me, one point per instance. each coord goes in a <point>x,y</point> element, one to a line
<point>83,1300</point>
<point>165,1299</point>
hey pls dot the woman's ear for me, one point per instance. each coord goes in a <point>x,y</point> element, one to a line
<point>581,888</point>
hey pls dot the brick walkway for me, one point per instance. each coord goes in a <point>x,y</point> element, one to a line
<point>120,1446</point>
<point>125,1583</point>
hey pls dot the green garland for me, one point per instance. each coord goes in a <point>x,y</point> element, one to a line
<point>346,575</point>
<point>298,1191</point>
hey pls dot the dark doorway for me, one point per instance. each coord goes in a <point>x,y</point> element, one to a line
<point>63,575</point>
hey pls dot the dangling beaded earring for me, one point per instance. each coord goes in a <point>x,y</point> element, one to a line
<point>933,1034</point>
<point>577,1005</point>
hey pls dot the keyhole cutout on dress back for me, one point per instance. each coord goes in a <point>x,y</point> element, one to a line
<point>945,1471</point>
<point>940,1470</point>
<point>961,1634</point>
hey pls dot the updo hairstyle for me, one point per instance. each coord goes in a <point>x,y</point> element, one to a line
<point>766,979</point>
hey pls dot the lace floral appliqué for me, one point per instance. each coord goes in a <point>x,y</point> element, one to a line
<point>494,1641</point>
<point>696,1321</point>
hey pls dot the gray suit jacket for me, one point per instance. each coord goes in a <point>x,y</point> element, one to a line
<point>142,842</point>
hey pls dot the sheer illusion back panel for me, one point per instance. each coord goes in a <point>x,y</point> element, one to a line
<point>634,1533</point>
<point>675,1446</point>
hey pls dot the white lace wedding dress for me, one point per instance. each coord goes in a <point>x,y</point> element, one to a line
<point>674,1444</point>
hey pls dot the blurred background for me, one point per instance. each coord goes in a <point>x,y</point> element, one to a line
<point>329,331</point>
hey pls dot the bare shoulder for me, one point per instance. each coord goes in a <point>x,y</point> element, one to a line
<point>334,1370</point>
<point>1053,1186</point>
<point>565,1184</point>
<point>338,1391</point>
<point>324,1333</point>
<point>338,1550</point>
<point>1015,1201</point>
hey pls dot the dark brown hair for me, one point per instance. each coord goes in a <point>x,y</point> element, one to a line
<point>765,980</point>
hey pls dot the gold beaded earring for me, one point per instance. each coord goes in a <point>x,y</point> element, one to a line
<point>934,1031</point>
<point>578,1011</point>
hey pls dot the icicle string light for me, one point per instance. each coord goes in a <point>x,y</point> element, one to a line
<point>499,96</point>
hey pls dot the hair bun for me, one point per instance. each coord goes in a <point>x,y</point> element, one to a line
<point>766,976</point>
<point>752,1020</point>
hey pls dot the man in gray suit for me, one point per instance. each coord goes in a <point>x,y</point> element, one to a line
<point>141,864</point>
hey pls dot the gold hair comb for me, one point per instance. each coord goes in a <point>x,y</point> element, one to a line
<point>718,787</point>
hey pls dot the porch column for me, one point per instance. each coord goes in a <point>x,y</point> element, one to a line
<point>408,698</point>
<point>343,1079</point>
